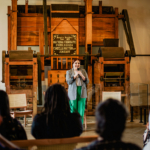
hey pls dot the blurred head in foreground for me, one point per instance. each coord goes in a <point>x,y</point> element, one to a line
<point>111,117</point>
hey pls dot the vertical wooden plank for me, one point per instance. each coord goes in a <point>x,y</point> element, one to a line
<point>9,28</point>
<point>100,7</point>
<point>14,25</point>
<point>127,83</point>
<point>7,75</point>
<point>3,66</point>
<point>26,7</point>
<point>88,23</point>
<point>39,78</point>
<point>89,89</point>
<point>116,23</point>
<point>101,60</point>
<point>49,42</point>
<point>41,46</point>
<point>34,86</point>
<point>45,26</point>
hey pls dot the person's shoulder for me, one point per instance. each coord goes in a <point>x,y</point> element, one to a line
<point>69,70</point>
<point>129,146</point>
<point>133,146</point>
<point>39,117</point>
<point>91,146</point>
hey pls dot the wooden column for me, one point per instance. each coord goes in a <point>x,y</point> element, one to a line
<point>45,26</point>
<point>101,60</point>
<point>26,6</point>
<point>88,23</point>
<point>9,28</point>
<point>41,46</point>
<point>34,86</point>
<point>14,25</point>
<point>116,23</point>
<point>100,7</point>
<point>127,83</point>
<point>7,75</point>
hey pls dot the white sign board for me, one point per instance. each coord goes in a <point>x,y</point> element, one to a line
<point>114,95</point>
<point>17,100</point>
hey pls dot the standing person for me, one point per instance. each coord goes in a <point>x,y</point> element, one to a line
<point>77,80</point>
<point>10,128</point>
<point>56,121</point>
<point>111,118</point>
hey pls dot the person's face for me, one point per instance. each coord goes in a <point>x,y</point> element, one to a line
<point>76,64</point>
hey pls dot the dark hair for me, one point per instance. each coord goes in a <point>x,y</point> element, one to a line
<point>56,101</point>
<point>4,104</point>
<point>75,59</point>
<point>111,117</point>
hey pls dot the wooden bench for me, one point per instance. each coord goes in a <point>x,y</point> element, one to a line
<point>19,101</point>
<point>56,144</point>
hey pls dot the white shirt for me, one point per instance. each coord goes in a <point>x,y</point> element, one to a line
<point>78,81</point>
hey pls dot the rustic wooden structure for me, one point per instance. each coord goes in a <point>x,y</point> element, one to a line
<point>65,27</point>
<point>112,74</point>
<point>21,76</point>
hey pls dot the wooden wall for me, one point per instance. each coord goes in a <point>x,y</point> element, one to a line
<point>102,28</point>
<point>28,30</point>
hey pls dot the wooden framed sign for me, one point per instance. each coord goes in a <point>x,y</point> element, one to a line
<point>64,44</point>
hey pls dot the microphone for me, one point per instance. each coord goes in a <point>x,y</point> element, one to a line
<point>78,74</point>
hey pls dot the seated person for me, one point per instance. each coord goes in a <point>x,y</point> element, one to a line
<point>56,121</point>
<point>111,117</point>
<point>4,143</point>
<point>10,128</point>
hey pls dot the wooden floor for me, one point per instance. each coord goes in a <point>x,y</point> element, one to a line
<point>133,132</point>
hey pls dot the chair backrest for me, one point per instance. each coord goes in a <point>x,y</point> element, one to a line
<point>56,144</point>
<point>17,100</point>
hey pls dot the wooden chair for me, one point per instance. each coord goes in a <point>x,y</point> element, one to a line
<point>55,144</point>
<point>19,101</point>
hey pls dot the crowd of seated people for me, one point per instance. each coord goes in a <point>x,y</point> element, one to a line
<point>56,121</point>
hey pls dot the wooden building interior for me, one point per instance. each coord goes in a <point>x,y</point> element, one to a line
<point>59,30</point>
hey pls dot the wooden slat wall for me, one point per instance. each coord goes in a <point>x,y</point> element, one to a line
<point>28,30</point>
<point>81,31</point>
<point>102,28</point>
<point>56,21</point>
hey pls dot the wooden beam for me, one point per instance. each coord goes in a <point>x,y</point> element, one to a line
<point>14,25</point>
<point>103,15</point>
<point>45,26</point>
<point>64,11</point>
<point>116,23</point>
<point>100,7</point>
<point>9,28</point>
<point>88,23</point>
<point>26,7</point>
<point>29,15</point>
<point>7,75</point>
<point>41,46</point>
<point>35,86</point>
<point>127,83</point>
